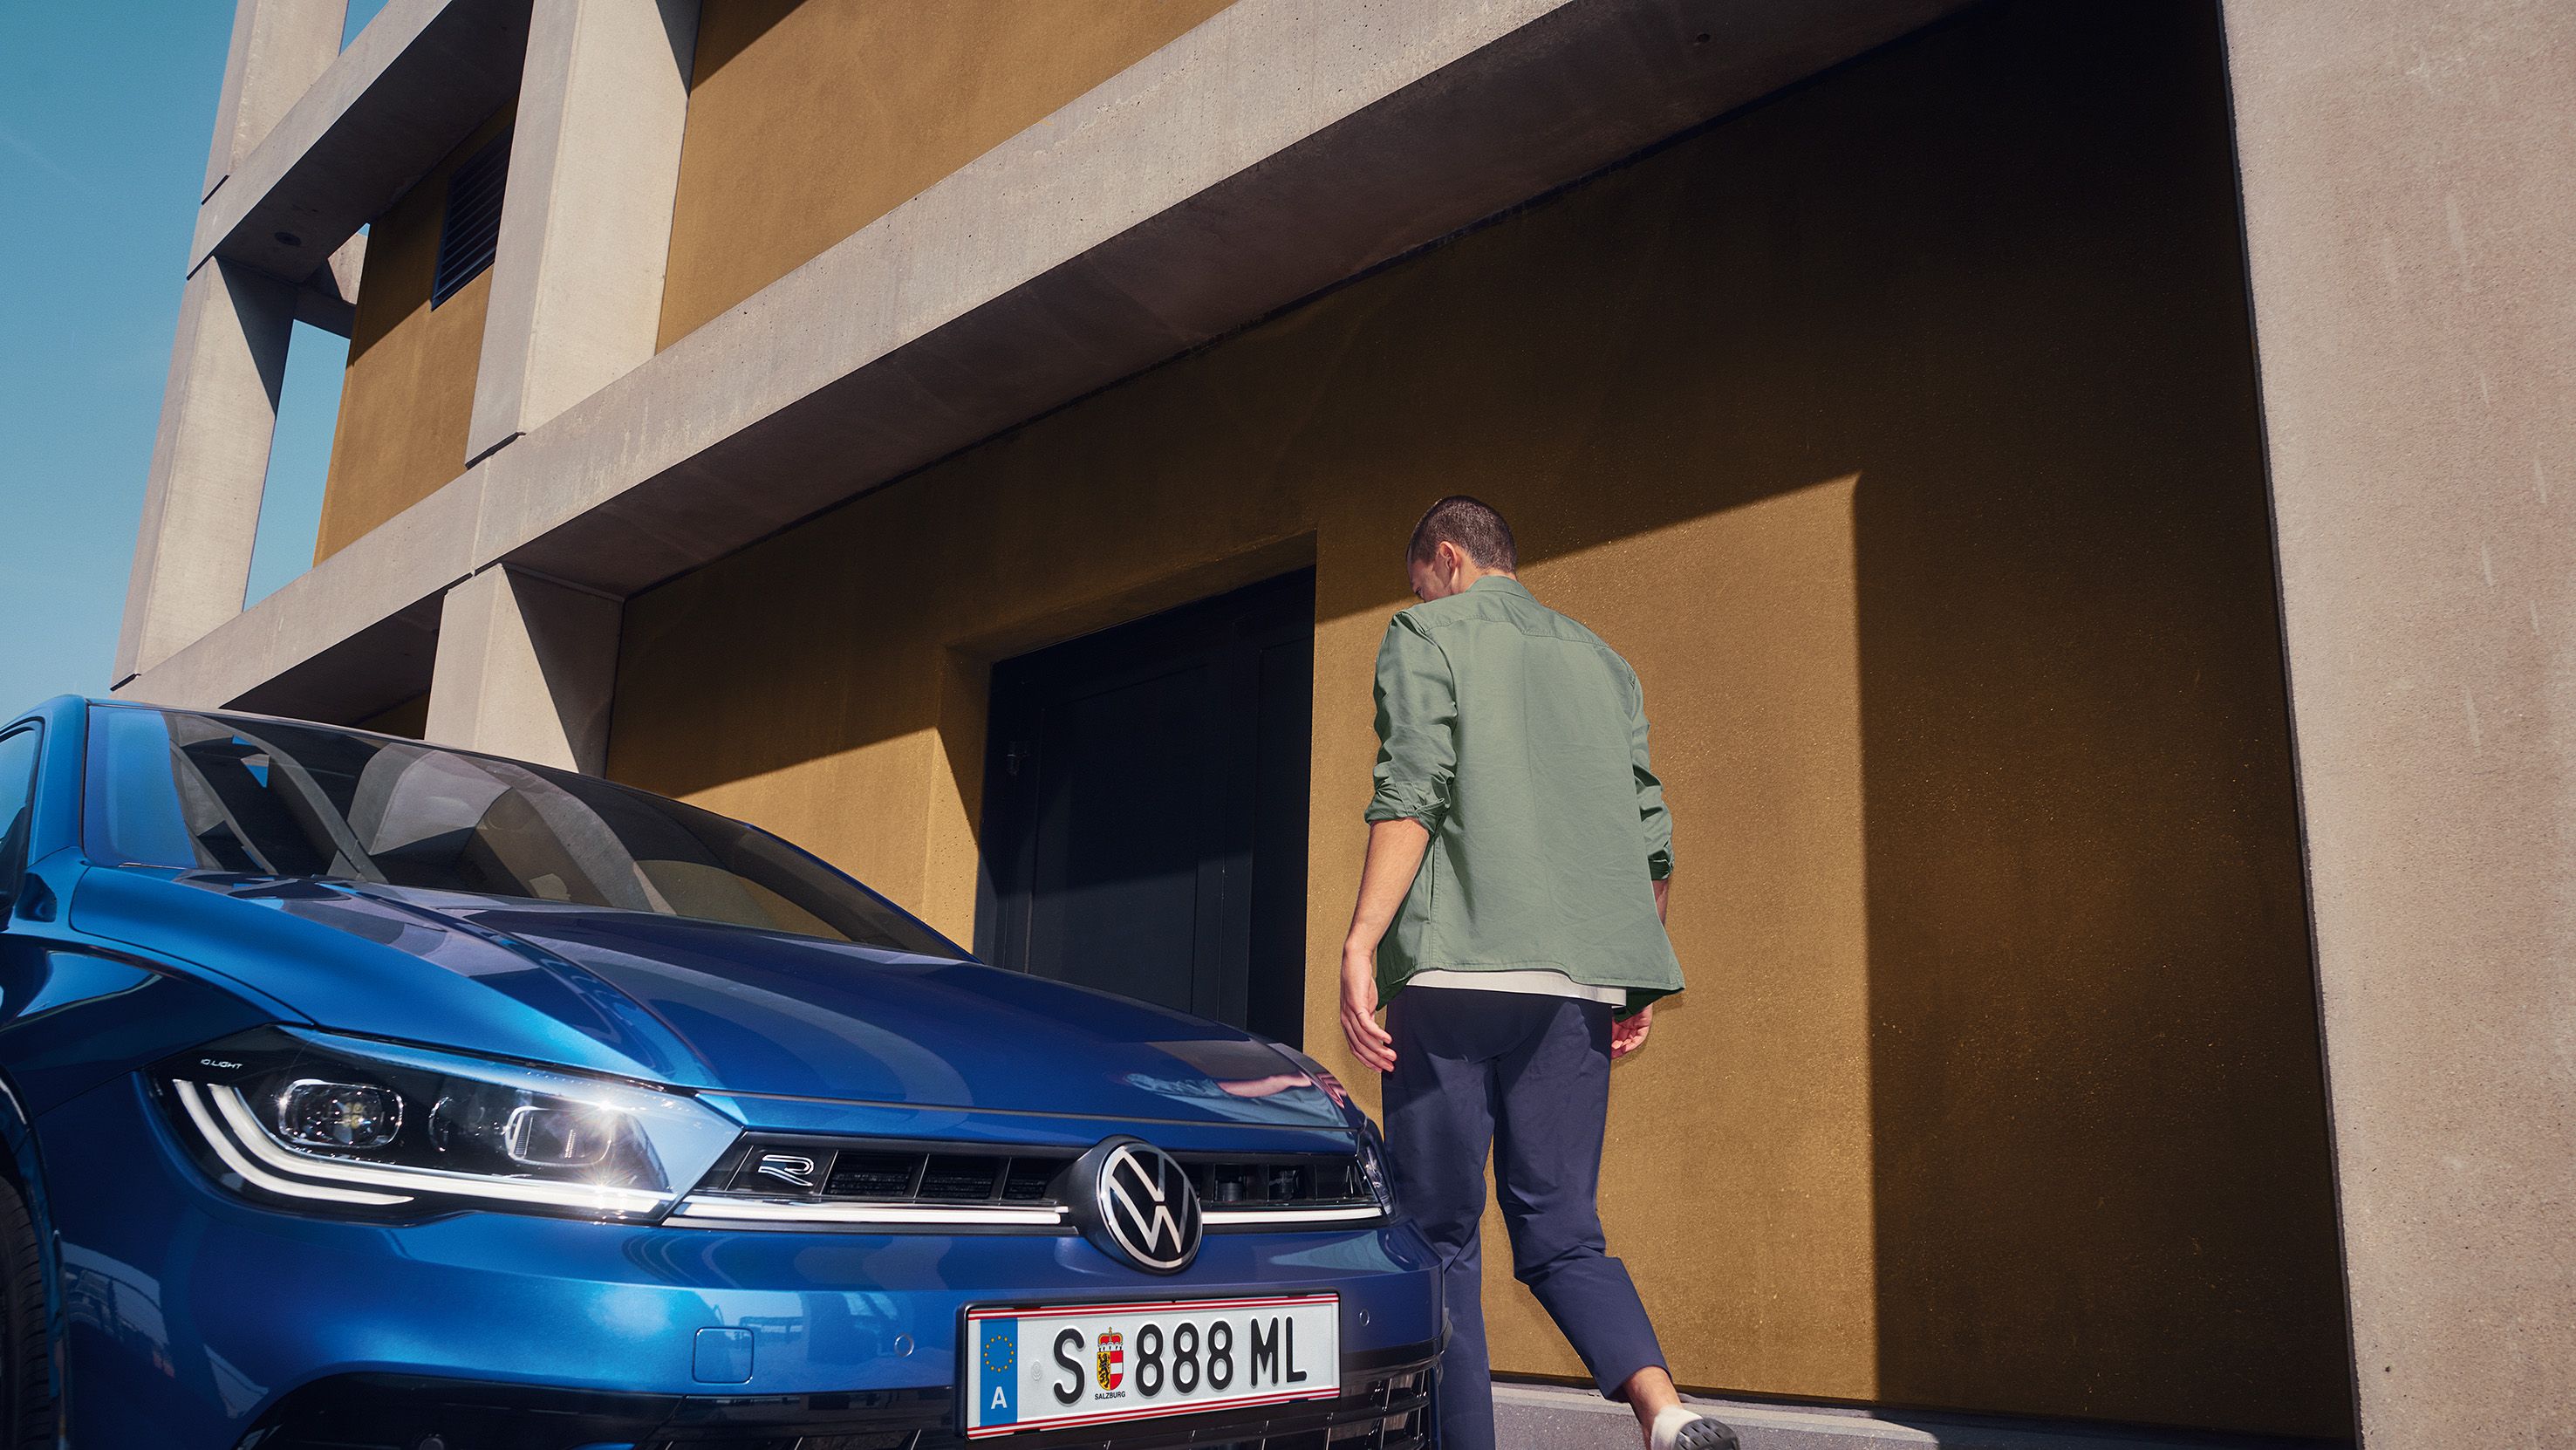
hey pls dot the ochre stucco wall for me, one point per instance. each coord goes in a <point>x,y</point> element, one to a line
<point>1902,434</point>
<point>808,119</point>
<point>409,393</point>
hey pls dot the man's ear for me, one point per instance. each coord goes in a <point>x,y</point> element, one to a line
<point>1452,559</point>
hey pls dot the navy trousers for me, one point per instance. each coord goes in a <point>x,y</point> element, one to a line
<point>1528,1077</point>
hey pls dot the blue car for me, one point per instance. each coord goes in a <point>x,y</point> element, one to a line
<point>360,1093</point>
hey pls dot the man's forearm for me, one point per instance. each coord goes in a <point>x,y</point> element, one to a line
<point>1663,898</point>
<point>1395,851</point>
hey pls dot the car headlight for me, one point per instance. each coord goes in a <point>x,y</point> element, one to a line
<point>378,1127</point>
<point>1372,1155</point>
<point>1372,1145</point>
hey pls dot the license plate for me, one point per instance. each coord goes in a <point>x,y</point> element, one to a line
<point>1058,1366</point>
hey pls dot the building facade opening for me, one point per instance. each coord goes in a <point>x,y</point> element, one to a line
<point>1146,808</point>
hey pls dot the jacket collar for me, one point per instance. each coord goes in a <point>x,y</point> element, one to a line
<point>1506,585</point>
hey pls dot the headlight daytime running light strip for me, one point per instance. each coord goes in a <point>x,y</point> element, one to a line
<point>255,1139</point>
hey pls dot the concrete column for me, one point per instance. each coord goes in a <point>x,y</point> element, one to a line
<point>586,229</point>
<point>525,668</point>
<point>2409,175</point>
<point>209,463</point>
<point>219,407</point>
<point>278,48</point>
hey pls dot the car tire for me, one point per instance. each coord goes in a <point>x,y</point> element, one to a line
<point>28,1418</point>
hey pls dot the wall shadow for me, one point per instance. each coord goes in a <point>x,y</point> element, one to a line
<point>727,28</point>
<point>2094,1078</point>
<point>1986,281</point>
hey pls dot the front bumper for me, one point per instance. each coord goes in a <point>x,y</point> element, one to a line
<point>1385,1405</point>
<point>195,1319</point>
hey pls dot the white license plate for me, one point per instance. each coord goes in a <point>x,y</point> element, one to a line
<point>1057,1366</point>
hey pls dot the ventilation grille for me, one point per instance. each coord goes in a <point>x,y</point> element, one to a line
<point>887,1175</point>
<point>783,1167</point>
<point>1258,1182</point>
<point>472,229</point>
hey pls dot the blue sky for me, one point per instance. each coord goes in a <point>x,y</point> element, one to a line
<point>105,112</point>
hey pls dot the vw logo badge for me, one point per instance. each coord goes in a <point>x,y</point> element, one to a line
<point>1135,1203</point>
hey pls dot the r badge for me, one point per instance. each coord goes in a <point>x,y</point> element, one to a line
<point>794,1169</point>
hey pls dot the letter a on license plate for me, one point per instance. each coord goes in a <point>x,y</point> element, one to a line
<point>1057,1366</point>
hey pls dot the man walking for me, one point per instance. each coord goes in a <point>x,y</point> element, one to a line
<point>1511,906</point>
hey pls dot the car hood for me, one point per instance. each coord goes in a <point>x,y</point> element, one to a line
<point>699,1004</point>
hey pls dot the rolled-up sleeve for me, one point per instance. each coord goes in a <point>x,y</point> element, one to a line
<point>1417,723</point>
<point>1656,821</point>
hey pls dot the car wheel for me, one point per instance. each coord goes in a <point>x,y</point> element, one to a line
<point>27,1411</point>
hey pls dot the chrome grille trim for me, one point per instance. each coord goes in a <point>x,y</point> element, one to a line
<point>1291,1217</point>
<point>725,1211</point>
<point>708,1210</point>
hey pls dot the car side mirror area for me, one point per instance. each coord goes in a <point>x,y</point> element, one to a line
<point>29,897</point>
<point>17,883</point>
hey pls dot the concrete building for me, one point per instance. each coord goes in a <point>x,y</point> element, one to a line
<point>2090,491</point>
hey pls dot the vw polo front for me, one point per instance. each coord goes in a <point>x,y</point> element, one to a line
<point>334,1157</point>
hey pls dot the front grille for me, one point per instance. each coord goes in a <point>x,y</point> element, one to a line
<point>770,1167</point>
<point>1028,1180</point>
<point>826,1171</point>
<point>953,1178</point>
<point>888,1176</point>
<point>1253,1183</point>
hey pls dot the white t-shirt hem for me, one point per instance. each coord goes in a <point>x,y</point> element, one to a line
<point>1530,981</point>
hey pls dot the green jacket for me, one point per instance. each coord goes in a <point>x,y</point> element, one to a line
<point>1518,740</point>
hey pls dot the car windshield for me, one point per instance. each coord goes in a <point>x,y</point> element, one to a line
<point>263,797</point>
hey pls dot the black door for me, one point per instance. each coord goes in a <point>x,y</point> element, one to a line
<point>1145,809</point>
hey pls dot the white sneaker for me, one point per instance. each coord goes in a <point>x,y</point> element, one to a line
<point>1683,1428</point>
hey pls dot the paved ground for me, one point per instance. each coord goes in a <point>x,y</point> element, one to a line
<point>1541,1417</point>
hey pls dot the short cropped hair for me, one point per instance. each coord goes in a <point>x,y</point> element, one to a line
<point>1472,525</point>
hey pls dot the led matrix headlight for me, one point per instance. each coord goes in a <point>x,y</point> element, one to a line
<point>1381,1184</point>
<point>1372,1145</point>
<point>379,1127</point>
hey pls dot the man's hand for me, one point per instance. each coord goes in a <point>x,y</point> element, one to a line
<point>1625,1037</point>
<point>1369,1042</point>
<point>1395,850</point>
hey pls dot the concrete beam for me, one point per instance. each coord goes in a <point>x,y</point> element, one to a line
<point>312,647</point>
<point>1270,152</point>
<point>209,464</point>
<point>329,298</point>
<point>2408,180</point>
<point>357,678</point>
<point>526,668</point>
<point>278,47</point>
<point>594,167</point>
<point>421,76</point>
